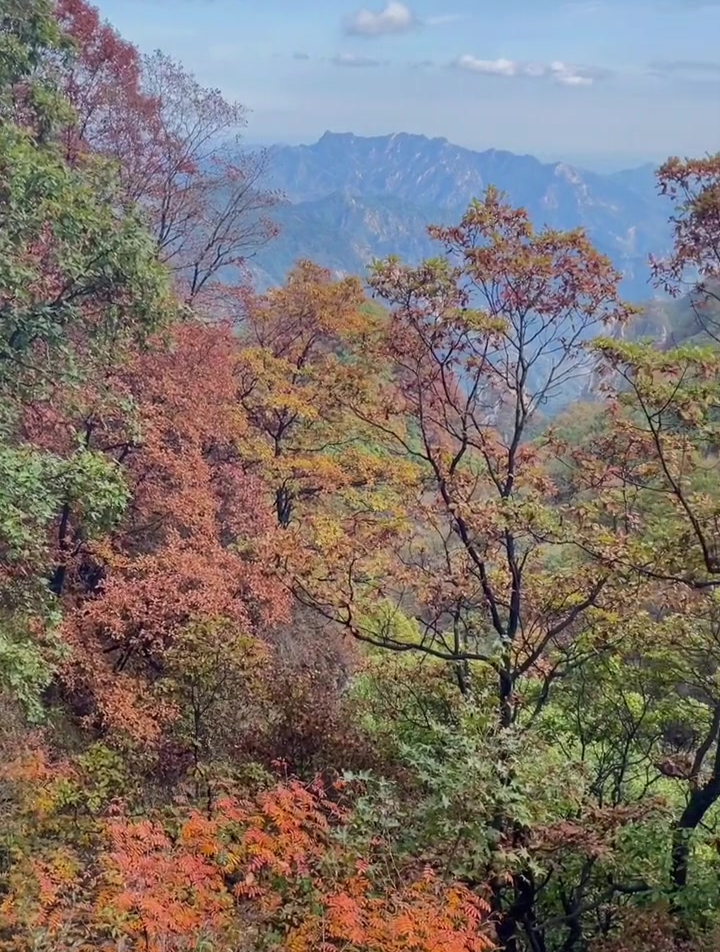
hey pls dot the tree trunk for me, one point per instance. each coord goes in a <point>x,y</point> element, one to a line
<point>506,690</point>
<point>701,800</point>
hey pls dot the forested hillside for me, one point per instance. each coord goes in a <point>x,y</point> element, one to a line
<point>315,633</point>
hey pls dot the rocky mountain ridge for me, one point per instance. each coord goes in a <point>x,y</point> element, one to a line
<point>351,198</point>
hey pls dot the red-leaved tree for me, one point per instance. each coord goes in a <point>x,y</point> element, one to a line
<point>177,147</point>
<point>195,542</point>
<point>274,872</point>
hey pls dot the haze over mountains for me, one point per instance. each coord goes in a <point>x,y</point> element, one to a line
<point>351,199</point>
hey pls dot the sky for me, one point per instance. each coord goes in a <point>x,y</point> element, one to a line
<point>603,83</point>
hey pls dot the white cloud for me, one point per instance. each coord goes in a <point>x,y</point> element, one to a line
<point>562,73</point>
<point>301,56</point>
<point>393,18</point>
<point>568,75</point>
<point>573,79</point>
<point>497,67</point>
<point>352,60</point>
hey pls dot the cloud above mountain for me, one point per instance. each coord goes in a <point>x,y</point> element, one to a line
<point>352,60</point>
<point>568,75</point>
<point>496,67</point>
<point>563,73</point>
<point>394,17</point>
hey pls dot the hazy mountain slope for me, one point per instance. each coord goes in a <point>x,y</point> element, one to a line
<point>640,180</point>
<point>683,320</point>
<point>355,198</point>
<point>345,232</point>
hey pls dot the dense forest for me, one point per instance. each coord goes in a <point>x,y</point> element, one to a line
<point>318,629</point>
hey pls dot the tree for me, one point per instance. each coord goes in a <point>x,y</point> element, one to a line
<point>475,551</point>
<point>653,475</point>
<point>658,499</point>
<point>693,185</point>
<point>177,148</point>
<point>67,252</point>
<point>194,544</point>
<point>79,282</point>
<point>480,565</point>
<point>280,870</point>
<point>304,358</point>
<point>28,36</point>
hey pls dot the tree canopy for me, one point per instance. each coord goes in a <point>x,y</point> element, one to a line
<point>323,625</point>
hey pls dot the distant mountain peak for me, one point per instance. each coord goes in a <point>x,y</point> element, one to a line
<point>346,138</point>
<point>330,136</point>
<point>360,196</point>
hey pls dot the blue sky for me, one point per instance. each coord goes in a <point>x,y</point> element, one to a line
<point>604,82</point>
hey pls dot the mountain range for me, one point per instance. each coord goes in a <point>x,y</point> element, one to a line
<point>348,199</point>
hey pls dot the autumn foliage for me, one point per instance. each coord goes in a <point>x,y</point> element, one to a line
<point>272,867</point>
<point>177,149</point>
<point>193,543</point>
<point>332,623</point>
